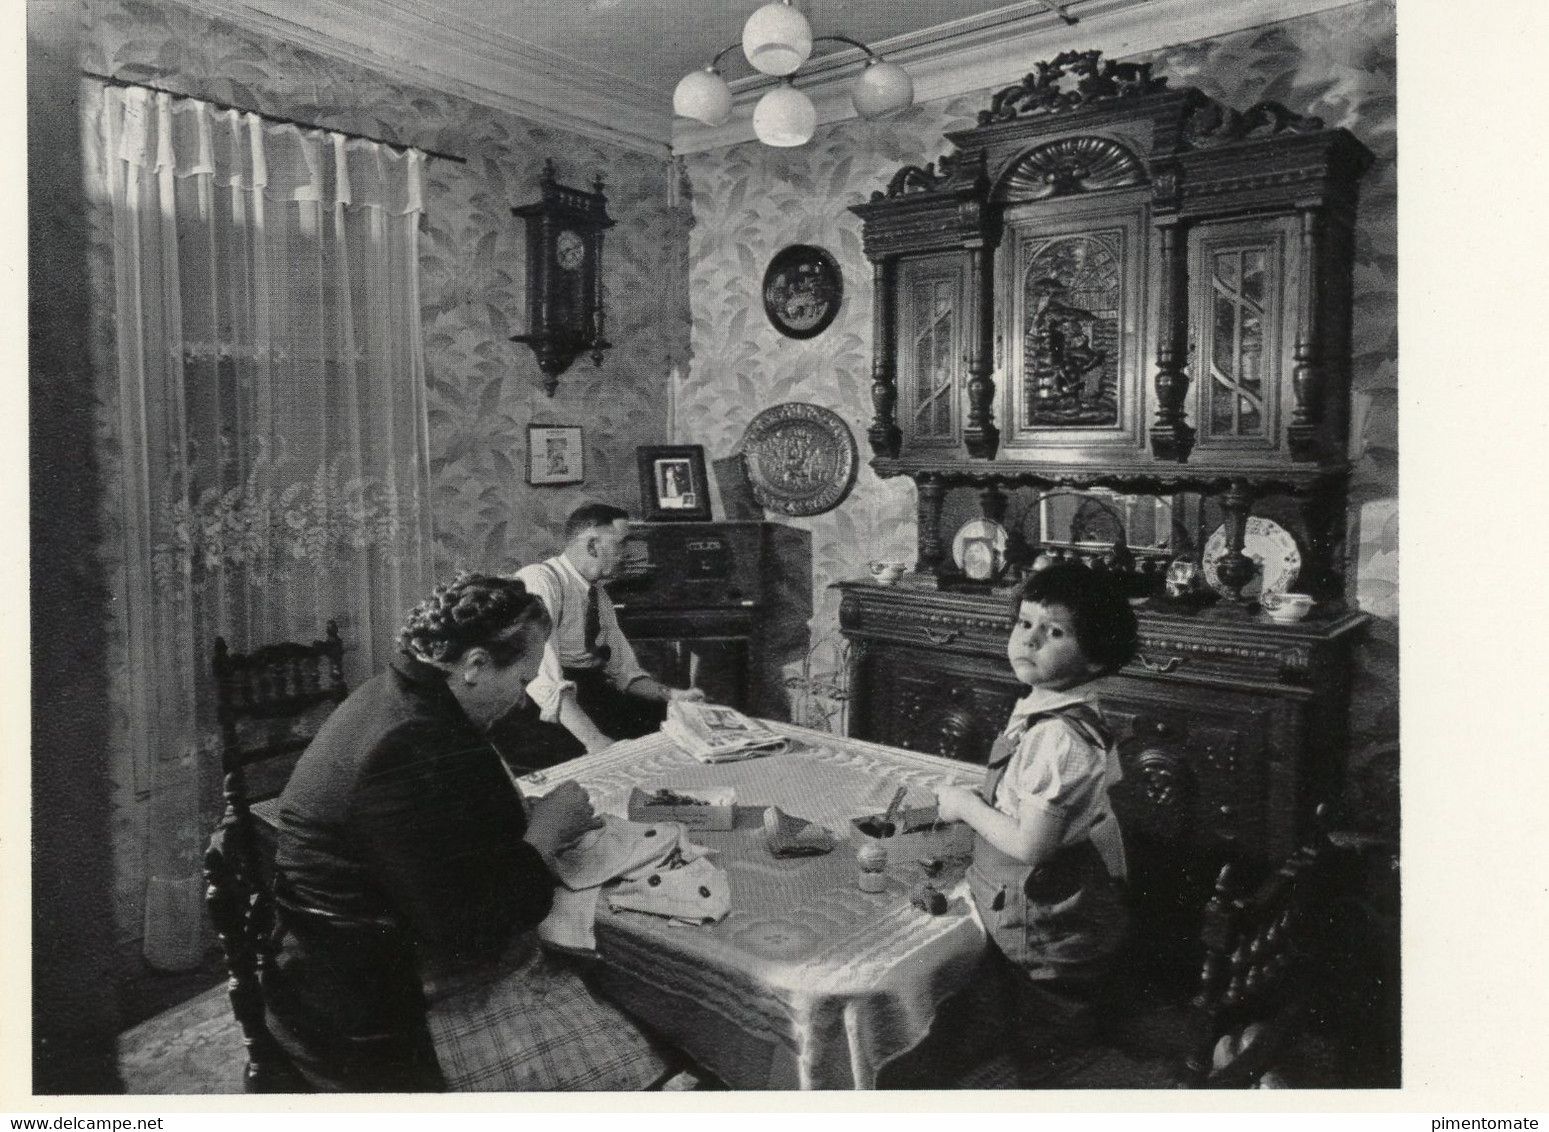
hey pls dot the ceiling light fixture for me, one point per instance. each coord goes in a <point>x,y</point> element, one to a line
<point>777,40</point>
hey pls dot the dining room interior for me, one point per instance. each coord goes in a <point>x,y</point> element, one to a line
<point>864,324</point>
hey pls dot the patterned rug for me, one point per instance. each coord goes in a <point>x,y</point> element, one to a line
<point>196,1048</point>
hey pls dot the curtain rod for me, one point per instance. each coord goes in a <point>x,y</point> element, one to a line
<point>111,81</point>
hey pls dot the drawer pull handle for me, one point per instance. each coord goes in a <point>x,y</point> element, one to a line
<point>1169,664</point>
<point>937,637</point>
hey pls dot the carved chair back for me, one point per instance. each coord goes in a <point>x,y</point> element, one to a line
<point>267,704</point>
<point>1263,950</point>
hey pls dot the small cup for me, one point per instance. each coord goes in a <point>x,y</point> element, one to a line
<point>886,573</point>
<point>1286,608</point>
<point>873,862</point>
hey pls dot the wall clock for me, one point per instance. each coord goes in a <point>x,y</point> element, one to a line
<point>802,291</point>
<point>564,275</point>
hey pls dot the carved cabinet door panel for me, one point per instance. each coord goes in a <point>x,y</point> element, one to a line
<point>932,338</point>
<point>1193,795</point>
<point>911,699</point>
<point>1072,293</point>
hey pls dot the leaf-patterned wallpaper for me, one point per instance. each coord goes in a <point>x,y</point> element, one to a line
<point>750,201</point>
<point>483,389</point>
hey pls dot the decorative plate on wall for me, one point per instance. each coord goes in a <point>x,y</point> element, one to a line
<point>802,291</point>
<point>1273,550</point>
<point>801,458</point>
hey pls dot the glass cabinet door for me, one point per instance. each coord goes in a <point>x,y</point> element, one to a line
<point>1240,311</point>
<point>930,349</point>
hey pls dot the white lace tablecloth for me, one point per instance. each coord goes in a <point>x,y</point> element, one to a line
<point>809,982</point>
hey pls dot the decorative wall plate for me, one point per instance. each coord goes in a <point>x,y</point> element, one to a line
<point>979,548</point>
<point>1271,547</point>
<point>801,458</point>
<point>802,290</point>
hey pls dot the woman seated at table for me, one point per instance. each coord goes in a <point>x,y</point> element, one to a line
<point>411,872</point>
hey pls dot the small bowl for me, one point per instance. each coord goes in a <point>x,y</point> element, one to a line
<point>886,573</point>
<point>1286,608</point>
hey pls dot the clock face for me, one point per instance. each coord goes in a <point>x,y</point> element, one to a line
<point>569,250</point>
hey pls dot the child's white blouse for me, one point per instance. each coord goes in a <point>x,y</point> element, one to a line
<point>1058,770</point>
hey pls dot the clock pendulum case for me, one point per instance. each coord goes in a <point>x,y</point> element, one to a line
<point>564,275</point>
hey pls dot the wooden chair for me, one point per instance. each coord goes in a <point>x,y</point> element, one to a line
<point>1263,949</point>
<point>272,692</point>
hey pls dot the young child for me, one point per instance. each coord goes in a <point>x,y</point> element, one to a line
<point>1048,858</point>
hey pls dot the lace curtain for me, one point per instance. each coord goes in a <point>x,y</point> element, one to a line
<point>271,421</point>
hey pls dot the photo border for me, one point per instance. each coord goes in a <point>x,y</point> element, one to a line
<point>651,509</point>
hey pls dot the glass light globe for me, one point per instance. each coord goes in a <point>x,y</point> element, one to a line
<point>703,96</point>
<point>785,117</point>
<point>882,88</point>
<point>777,39</point>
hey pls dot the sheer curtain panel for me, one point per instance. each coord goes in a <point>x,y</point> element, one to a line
<point>271,419</point>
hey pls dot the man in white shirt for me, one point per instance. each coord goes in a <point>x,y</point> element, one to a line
<point>590,682</point>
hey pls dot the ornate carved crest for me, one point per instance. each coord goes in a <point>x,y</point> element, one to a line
<point>1209,123</point>
<point>1071,165</point>
<point>954,167</point>
<point>1072,79</point>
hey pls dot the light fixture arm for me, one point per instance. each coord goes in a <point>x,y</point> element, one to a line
<point>870,54</point>
<point>715,64</point>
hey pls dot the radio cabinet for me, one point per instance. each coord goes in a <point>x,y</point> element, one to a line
<point>691,602</point>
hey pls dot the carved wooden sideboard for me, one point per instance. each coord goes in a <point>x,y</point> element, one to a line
<point>1231,727</point>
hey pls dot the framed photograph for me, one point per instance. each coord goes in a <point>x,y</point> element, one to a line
<point>673,486</point>
<point>554,455</point>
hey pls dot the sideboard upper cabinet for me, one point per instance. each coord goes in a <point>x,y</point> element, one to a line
<point>1110,281</point>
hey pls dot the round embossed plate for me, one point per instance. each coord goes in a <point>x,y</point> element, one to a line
<point>801,458</point>
<point>1271,547</point>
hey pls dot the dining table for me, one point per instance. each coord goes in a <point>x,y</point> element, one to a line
<point>808,982</point>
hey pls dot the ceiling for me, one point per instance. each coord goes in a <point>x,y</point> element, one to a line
<point>606,68</point>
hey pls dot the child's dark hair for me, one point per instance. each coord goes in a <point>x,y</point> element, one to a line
<point>1104,624</point>
<point>474,610</point>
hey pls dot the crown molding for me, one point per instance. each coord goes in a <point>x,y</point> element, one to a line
<point>486,67</point>
<point>509,74</point>
<point>969,55</point>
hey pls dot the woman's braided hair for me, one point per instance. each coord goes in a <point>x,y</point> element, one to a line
<point>473,610</point>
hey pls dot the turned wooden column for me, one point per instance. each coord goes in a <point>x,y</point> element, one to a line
<point>980,435</point>
<point>1234,568</point>
<point>992,502</point>
<point>883,434</point>
<point>1172,438</point>
<point>930,491</point>
<point>1307,376</point>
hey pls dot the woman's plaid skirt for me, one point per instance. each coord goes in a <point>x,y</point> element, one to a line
<point>529,1023</point>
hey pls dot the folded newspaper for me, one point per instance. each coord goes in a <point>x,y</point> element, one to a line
<point>716,734</point>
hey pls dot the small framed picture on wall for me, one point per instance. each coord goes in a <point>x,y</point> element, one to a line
<point>673,486</point>
<point>554,455</point>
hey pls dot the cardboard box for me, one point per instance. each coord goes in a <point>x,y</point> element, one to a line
<point>694,807</point>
